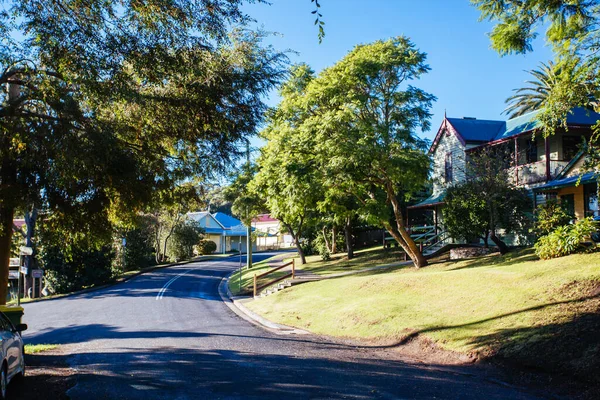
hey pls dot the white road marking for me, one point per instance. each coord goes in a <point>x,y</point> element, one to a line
<point>162,291</point>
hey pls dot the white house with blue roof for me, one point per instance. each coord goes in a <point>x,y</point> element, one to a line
<point>549,167</point>
<point>227,232</point>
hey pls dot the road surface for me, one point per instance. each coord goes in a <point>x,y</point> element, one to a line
<point>168,335</point>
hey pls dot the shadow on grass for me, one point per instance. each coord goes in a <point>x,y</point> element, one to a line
<point>340,263</point>
<point>511,258</point>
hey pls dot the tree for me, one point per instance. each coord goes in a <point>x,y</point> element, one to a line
<point>364,113</point>
<point>497,203</point>
<point>106,103</point>
<point>465,213</point>
<point>573,35</point>
<point>288,177</point>
<point>533,97</point>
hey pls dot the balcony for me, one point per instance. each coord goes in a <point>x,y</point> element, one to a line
<point>529,174</point>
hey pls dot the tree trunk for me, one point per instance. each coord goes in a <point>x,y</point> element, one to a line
<point>402,236</point>
<point>486,239</point>
<point>325,237</point>
<point>333,244</point>
<point>30,221</point>
<point>498,242</point>
<point>296,237</point>
<point>6,222</point>
<point>348,236</point>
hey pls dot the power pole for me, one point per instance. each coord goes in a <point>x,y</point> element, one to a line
<point>249,227</point>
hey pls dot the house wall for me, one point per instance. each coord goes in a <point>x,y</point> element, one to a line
<point>577,191</point>
<point>448,143</point>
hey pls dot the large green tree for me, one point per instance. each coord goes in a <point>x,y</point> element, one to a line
<point>104,103</point>
<point>365,115</point>
<point>288,178</point>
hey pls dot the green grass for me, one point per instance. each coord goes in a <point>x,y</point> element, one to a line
<point>362,259</point>
<point>247,279</point>
<point>516,306</point>
<point>39,348</point>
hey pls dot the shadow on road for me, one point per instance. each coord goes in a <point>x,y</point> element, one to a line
<point>175,373</point>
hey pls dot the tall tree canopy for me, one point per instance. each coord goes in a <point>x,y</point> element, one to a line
<point>104,103</point>
<point>364,113</point>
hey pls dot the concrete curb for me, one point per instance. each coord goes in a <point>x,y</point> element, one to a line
<point>236,305</point>
<point>119,280</point>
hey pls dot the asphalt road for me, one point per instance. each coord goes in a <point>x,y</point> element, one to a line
<point>168,335</point>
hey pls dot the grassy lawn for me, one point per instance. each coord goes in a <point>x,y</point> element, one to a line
<point>542,313</point>
<point>39,348</point>
<point>258,268</point>
<point>363,259</point>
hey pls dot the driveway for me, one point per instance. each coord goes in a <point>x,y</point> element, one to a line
<point>167,334</point>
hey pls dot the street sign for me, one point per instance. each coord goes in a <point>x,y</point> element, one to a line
<point>13,274</point>
<point>37,273</point>
<point>26,251</point>
<point>24,270</point>
<point>14,262</point>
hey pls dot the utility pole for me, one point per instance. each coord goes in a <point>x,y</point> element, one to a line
<point>249,227</point>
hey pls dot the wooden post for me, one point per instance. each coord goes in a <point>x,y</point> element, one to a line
<point>254,285</point>
<point>293,268</point>
<point>40,292</point>
<point>547,151</point>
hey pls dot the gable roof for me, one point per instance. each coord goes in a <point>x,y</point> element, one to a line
<point>197,216</point>
<point>484,131</point>
<point>476,130</point>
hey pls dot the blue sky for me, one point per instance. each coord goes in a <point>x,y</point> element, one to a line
<point>467,76</point>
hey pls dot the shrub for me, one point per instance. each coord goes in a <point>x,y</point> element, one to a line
<point>550,216</point>
<point>565,240</point>
<point>206,247</point>
<point>181,244</point>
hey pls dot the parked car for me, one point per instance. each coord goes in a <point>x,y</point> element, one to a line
<point>12,352</point>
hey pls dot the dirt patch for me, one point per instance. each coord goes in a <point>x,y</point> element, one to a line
<point>47,377</point>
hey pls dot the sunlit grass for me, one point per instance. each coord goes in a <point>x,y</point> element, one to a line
<point>39,348</point>
<point>463,305</point>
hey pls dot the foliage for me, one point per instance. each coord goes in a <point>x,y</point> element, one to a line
<point>186,236</point>
<point>364,113</point>
<point>245,203</point>
<point>106,103</point>
<point>465,212</point>
<point>74,262</point>
<point>550,216</point>
<point>206,247</point>
<point>497,200</point>
<point>288,178</point>
<point>566,239</point>
<point>139,249</point>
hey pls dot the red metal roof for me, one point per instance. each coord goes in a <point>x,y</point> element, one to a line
<point>264,218</point>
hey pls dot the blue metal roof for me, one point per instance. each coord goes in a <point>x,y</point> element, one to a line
<point>227,220</point>
<point>433,200</point>
<point>588,177</point>
<point>477,130</point>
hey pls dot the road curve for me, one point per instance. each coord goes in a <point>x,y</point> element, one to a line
<point>167,334</point>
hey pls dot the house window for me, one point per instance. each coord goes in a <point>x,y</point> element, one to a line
<point>531,153</point>
<point>448,168</point>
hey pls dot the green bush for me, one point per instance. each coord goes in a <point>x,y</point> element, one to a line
<point>566,239</point>
<point>185,236</point>
<point>550,216</point>
<point>76,268</point>
<point>206,247</point>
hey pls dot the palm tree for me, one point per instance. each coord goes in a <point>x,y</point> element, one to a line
<point>551,76</point>
<point>533,97</point>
